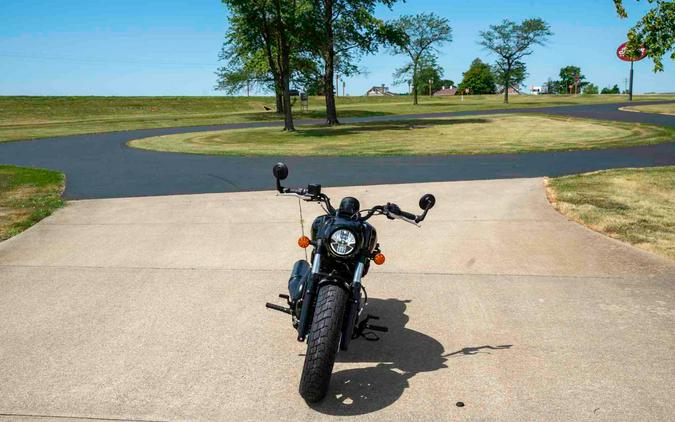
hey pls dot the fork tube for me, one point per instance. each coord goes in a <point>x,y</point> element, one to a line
<point>358,273</point>
<point>354,308</point>
<point>308,299</point>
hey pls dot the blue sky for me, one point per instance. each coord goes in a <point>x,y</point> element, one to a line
<point>170,47</point>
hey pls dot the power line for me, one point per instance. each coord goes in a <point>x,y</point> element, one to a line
<point>88,60</point>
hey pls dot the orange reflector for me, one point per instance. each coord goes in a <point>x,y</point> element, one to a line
<point>379,259</point>
<point>303,242</point>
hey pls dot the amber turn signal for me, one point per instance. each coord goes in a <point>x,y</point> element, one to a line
<point>378,259</point>
<point>304,242</point>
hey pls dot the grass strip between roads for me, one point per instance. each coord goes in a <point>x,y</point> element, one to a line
<point>668,108</point>
<point>633,205</point>
<point>442,136</point>
<point>24,117</point>
<point>27,196</point>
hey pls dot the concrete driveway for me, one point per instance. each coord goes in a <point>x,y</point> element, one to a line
<point>153,309</point>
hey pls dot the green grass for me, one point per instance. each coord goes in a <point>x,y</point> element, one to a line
<point>633,205</point>
<point>27,196</point>
<point>461,135</point>
<point>668,108</point>
<point>40,117</point>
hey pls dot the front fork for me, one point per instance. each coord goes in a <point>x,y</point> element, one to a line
<point>353,307</point>
<point>311,289</point>
<point>308,298</point>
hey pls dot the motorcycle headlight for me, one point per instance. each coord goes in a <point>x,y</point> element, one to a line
<point>342,242</point>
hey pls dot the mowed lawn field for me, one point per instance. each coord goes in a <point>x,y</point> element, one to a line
<point>633,205</point>
<point>513,133</point>
<point>40,117</point>
<point>668,108</point>
<point>27,195</point>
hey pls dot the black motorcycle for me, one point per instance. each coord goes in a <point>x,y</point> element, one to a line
<point>325,298</point>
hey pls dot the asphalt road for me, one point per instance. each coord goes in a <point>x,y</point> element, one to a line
<point>153,309</point>
<point>102,166</point>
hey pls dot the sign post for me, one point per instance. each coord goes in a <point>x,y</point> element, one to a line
<point>625,55</point>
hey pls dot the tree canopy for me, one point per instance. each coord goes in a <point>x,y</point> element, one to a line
<point>655,30</point>
<point>511,42</point>
<point>590,88</point>
<point>421,34</point>
<point>613,90</point>
<point>568,76</point>
<point>428,70</point>
<point>478,79</point>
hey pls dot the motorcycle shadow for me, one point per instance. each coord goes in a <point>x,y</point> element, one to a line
<point>400,354</point>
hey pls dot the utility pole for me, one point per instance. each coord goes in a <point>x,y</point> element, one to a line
<point>344,87</point>
<point>431,81</point>
<point>630,86</point>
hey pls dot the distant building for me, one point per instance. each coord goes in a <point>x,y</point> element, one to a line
<point>445,91</point>
<point>536,90</point>
<point>379,91</point>
<point>512,90</point>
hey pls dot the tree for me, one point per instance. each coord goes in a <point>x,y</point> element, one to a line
<point>245,70</point>
<point>269,28</point>
<point>655,30</point>
<point>551,86</point>
<point>337,32</point>
<point>613,90</point>
<point>590,89</point>
<point>516,77</point>
<point>248,70</point>
<point>568,77</point>
<point>428,70</point>
<point>422,33</point>
<point>479,79</point>
<point>511,42</point>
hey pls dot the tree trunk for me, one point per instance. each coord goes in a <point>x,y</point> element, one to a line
<point>284,57</point>
<point>414,82</point>
<point>279,103</point>
<point>331,110</point>
<point>507,84</point>
<point>288,112</point>
<point>329,70</point>
<point>279,95</point>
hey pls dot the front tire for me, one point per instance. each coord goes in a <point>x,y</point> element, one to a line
<point>323,342</point>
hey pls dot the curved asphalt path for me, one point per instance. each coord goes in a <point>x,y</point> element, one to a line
<point>102,166</point>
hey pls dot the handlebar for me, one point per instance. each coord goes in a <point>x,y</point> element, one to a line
<point>392,211</point>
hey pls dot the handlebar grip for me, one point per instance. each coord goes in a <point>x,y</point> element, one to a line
<point>298,191</point>
<point>407,215</point>
<point>396,210</point>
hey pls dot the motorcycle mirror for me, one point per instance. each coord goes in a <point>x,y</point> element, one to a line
<point>280,171</point>
<point>427,202</point>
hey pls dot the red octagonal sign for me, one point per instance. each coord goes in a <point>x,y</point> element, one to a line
<point>622,52</point>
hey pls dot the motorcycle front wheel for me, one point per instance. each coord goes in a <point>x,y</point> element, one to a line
<point>323,342</point>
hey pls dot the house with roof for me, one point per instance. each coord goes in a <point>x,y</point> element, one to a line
<point>445,91</point>
<point>513,90</point>
<point>379,91</point>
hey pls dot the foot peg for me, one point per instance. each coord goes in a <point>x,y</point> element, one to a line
<point>278,308</point>
<point>360,329</point>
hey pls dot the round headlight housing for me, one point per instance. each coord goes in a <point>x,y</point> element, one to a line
<point>342,242</point>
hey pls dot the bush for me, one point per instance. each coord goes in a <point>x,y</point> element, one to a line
<point>590,89</point>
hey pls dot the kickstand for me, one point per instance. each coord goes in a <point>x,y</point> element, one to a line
<point>360,330</point>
